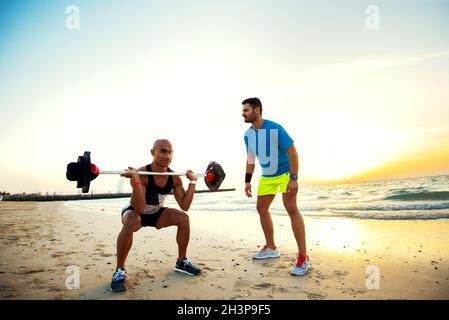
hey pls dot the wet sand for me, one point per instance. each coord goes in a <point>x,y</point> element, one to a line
<point>40,240</point>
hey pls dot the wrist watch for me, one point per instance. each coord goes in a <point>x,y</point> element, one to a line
<point>193,182</point>
<point>293,176</point>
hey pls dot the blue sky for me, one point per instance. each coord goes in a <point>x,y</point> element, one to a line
<point>352,98</point>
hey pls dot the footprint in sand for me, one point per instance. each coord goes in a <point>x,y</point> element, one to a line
<point>263,285</point>
<point>323,276</point>
<point>59,254</point>
<point>29,271</point>
<point>354,291</point>
<point>55,288</point>
<point>104,254</point>
<point>39,281</point>
<point>207,268</point>
<point>282,267</point>
<point>239,284</point>
<point>340,273</point>
<point>315,296</point>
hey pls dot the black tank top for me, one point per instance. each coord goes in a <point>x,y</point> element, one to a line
<point>154,194</point>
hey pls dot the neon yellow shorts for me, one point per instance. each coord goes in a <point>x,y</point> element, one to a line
<point>270,185</point>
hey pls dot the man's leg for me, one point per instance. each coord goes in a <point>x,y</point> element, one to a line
<point>174,217</point>
<point>296,221</point>
<point>263,206</point>
<point>131,223</point>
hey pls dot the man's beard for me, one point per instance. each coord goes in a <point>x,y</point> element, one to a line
<point>164,164</point>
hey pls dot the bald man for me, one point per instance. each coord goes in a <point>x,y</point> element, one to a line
<point>146,209</point>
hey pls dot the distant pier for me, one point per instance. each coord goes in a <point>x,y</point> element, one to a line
<point>81,196</point>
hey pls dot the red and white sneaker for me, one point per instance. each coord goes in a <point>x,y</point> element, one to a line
<point>302,266</point>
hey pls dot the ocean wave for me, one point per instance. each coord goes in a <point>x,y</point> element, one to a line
<point>309,212</point>
<point>382,215</point>
<point>411,216</point>
<point>421,206</point>
<point>312,209</point>
<point>416,196</point>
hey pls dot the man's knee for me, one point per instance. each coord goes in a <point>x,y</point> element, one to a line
<point>183,220</point>
<point>131,222</point>
<point>292,209</point>
<point>262,209</point>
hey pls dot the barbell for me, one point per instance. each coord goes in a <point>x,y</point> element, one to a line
<point>84,171</point>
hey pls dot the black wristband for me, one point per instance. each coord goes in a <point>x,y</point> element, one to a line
<point>248,177</point>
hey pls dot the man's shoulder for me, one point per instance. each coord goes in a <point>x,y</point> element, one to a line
<point>272,125</point>
<point>177,181</point>
<point>143,178</point>
<point>249,131</point>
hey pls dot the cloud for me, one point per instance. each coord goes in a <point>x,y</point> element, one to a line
<point>336,77</point>
<point>367,64</point>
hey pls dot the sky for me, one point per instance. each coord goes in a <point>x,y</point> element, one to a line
<point>363,93</point>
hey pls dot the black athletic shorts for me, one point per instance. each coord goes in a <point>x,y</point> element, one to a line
<point>146,219</point>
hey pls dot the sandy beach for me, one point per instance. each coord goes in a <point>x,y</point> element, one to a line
<point>40,240</point>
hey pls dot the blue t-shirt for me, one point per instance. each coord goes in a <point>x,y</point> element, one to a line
<point>269,144</point>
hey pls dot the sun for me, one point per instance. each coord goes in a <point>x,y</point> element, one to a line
<point>348,146</point>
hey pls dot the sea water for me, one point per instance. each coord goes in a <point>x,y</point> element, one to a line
<point>400,199</point>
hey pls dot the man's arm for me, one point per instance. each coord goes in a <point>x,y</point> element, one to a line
<point>250,168</point>
<point>249,173</point>
<point>138,201</point>
<point>294,159</point>
<point>292,187</point>
<point>184,198</point>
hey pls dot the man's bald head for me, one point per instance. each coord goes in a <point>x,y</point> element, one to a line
<point>162,152</point>
<point>161,142</point>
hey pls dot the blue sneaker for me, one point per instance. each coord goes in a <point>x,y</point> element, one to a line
<point>185,266</point>
<point>118,280</point>
<point>267,253</point>
<point>302,266</point>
